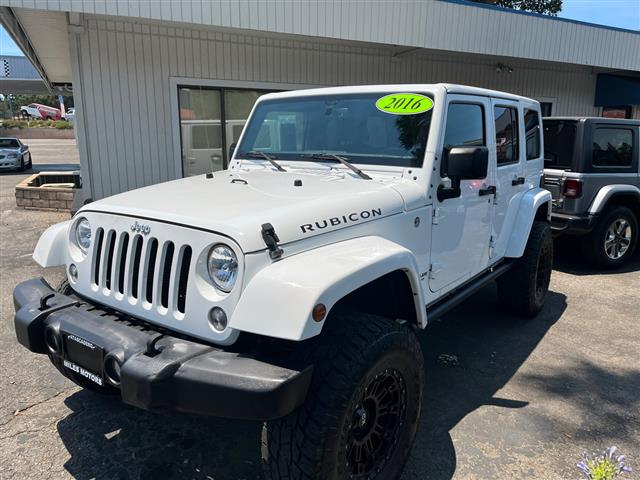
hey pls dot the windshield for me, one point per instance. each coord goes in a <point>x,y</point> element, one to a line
<point>559,143</point>
<point>9,143</point>
<point>346,125</point>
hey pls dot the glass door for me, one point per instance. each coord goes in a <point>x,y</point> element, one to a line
<point>200,130</point>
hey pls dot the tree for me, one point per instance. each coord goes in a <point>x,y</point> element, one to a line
<point>549,7</point>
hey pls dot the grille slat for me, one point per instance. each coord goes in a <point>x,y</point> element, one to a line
<point>181,292</point>
<point>138,269</point>
<point>134,267</point>
<point>151,273</point>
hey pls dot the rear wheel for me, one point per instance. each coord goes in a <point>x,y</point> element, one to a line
<point>362,409</point>
<point>613,241</point>
<point>523,288</point>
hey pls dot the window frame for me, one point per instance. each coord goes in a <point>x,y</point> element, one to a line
<point>524,118</point>
<point>513,108</point>
<point>443,163</point>
<point>613,127</point>
<point>223,118</point>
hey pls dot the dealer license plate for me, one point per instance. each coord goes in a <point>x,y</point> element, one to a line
<point>83,357</point>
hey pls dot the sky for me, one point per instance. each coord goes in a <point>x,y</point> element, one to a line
<point>614,13</point>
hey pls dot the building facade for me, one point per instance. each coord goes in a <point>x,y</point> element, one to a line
<point>162,89</point>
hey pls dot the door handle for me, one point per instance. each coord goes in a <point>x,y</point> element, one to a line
<point>517,181</point>
<point>487,191</point>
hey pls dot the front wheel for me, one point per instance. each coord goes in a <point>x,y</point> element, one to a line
<point>362,409</point>
<point>523,288</point>
<point>21,166</point>
<point>614,239</point>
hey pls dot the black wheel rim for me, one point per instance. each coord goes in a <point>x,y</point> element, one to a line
<point>544,272</point>
<point>376,424</point>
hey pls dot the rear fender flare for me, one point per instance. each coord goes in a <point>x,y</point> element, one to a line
<point>278,300</point>
<point>530,202</point>
<point>605,194</point>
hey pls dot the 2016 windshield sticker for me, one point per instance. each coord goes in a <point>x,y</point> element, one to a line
<point>404,104</point>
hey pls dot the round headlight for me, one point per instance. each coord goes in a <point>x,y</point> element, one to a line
<point>83,234</point>
<point>222,264</point>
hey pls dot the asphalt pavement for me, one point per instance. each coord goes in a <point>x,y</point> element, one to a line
<point>505,398</point>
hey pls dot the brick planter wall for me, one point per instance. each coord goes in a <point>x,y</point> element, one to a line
<point>58,199</point>
<point>27,133</point>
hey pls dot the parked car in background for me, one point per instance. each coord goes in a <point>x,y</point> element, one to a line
<point>70,114</point>
<point>44,112</point>
<point>592,171</point>
<point>14,154</point>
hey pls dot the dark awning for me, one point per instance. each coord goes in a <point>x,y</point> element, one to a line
<point>617,91</point>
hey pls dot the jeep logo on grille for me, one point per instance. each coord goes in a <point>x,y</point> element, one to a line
<point>139,228</point>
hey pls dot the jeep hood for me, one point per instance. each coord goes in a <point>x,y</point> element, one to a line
<point>237,205</point>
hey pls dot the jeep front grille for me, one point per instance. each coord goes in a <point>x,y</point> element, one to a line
<point>139,269</point>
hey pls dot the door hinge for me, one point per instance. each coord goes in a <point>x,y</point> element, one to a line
<point>435,218</point>
<point>434,270</point>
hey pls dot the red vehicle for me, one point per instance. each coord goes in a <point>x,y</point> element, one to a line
<point>37,110</point>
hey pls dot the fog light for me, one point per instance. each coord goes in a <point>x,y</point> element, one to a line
<point>218,319</point>
<point>51,340</point>
<point>112,370</point>
<point>319,312</point>
<point>73,272</point>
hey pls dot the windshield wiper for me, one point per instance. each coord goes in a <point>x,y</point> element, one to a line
<point>266,157</point>
<point>342,160</point>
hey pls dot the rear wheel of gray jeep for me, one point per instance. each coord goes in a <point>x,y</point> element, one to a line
<point>362,409</point>
<point>614,239</point>
<point>65,289</point>
<point>523,288</point>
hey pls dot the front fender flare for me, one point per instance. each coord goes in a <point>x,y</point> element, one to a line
<point>51,249</point>
<point>529,205</point>
<point>277,302</point>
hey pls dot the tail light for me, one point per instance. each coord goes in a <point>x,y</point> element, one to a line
<point>572,188</point>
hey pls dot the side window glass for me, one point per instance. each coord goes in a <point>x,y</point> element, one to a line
<point>612,147</point>
<point>532,133</point>
<point>506,119</point>
<point>464,128</point>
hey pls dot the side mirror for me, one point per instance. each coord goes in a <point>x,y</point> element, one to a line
<point>463,163</point>
<point>232,149</point>
<point>467,163</point>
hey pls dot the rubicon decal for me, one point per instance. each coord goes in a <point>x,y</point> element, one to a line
<point>341,220</point>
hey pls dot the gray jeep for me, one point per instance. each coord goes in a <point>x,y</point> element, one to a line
<point>592,172</point>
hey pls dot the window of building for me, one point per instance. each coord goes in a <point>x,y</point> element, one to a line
<point>546,109</point>
<point>506,119</point>
<point>612,147</point>
<point>465,128</point>
<point>532,133</point>
<point>211,120</point>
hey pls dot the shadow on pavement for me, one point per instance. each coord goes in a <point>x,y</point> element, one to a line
<point>46,167</point>
<point>490,347</point>
<point>568,258</point>
<point>109,440</point>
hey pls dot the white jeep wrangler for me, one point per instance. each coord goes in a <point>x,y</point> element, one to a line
<point>289,287</point>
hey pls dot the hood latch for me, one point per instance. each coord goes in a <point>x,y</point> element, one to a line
<point>271,240</point>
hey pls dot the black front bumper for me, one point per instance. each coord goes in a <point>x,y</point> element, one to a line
<point>562,223</point>
<point>159,371</point>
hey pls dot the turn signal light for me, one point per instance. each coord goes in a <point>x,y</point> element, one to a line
<point>319,312</point>
<point>572,188</point>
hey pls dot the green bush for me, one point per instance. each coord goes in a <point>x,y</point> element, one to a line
<point>14,124</point>
<point>63,125</point>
